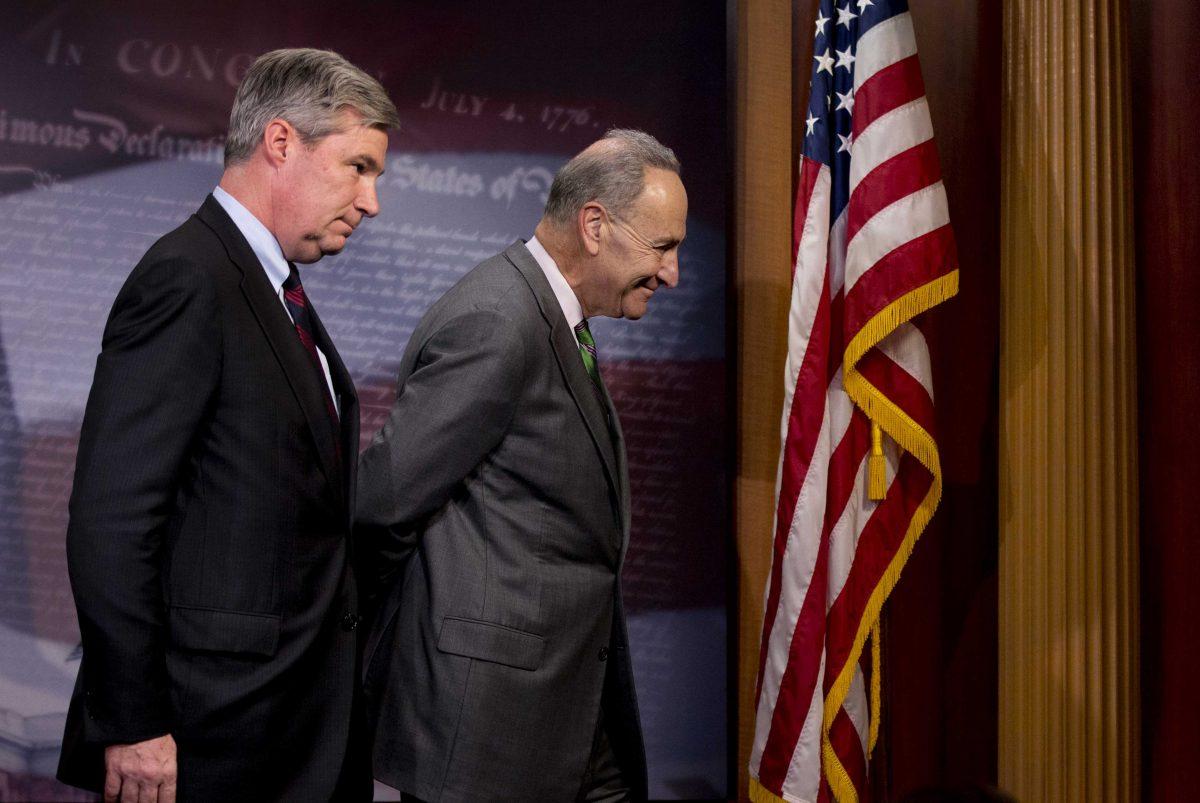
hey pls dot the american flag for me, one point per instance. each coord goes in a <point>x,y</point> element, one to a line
<point>873,249</point>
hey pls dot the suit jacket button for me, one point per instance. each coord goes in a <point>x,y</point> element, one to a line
<point>349,622</point>
<point>603,656</point>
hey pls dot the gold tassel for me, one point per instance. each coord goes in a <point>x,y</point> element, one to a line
<point>876,466</point>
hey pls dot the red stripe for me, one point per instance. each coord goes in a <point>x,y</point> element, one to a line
<point>877,546</point>
<point>917,262</point>
<point>804,425</point>
<point>898,385</point>
<point>843,737</point>
<point>809,170</point>
<point>306,339</point>
<point>891,87</point>
<point>296,296</point>
<point>799,680</point>
<point>898,177</point>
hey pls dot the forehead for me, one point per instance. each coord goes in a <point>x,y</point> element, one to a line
<point>663,201</point>
<point>357,137</point>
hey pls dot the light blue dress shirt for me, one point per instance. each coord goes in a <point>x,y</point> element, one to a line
<point>270,256</point>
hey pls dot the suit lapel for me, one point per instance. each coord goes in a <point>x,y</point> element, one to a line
<point>622,469</point>
<point>566,352</point>
<point>281,334</point>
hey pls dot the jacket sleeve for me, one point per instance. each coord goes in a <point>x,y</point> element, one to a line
<point>158,368</point>
<point>450,412</point>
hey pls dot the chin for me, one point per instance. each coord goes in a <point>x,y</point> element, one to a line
<point>331,248</point>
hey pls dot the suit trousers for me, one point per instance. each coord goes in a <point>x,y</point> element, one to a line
<point>603,781</point>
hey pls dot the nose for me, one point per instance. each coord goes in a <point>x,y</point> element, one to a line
<point>368,199</point>
<point>668,274</point>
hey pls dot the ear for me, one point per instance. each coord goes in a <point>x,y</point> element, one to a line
<point>589,220</point>
<point>279,141</point>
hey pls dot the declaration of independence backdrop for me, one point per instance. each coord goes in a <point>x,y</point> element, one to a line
<point>111,126</point>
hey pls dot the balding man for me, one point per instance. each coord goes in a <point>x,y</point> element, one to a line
<point>498,665</point>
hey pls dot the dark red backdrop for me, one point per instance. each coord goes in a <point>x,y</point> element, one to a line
<point>941,627</point>
<point>1166,117</point>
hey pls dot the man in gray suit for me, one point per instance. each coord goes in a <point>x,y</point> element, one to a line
<point>497,495</point>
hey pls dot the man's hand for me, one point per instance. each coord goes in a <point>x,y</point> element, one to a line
<point>140,773</point>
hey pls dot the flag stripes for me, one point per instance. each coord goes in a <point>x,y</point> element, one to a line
<point>873,249</point>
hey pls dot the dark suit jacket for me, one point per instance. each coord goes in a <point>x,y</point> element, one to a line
<point>207,545</point>
<point>501,473</point>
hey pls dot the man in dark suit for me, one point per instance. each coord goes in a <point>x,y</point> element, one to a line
<point>497,491</point>
<point>214,487</point>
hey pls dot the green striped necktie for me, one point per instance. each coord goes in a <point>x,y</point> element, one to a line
<point>587,350</point>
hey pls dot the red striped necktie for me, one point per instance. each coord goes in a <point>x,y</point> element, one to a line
<point>297,306</point>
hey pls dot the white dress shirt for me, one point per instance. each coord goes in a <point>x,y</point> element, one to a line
<point>270,256</point>
<point>572,309</point>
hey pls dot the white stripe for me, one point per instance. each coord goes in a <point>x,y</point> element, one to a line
<point>910,217</point>
<point>888,42</point>
<point>837,253</point>
<point>907,348</point>
<point>807,283</point>
<point>855,707</point>
<point>889,134</point>
<point>803,779</point>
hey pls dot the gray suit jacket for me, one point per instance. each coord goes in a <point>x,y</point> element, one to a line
<point>498,491</point>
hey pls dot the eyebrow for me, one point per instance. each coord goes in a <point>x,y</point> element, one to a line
<point>370,162</point>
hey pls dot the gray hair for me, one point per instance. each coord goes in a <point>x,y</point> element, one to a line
<point>308,88</point>
<point>613,174</point>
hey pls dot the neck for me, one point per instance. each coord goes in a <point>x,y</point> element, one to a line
<point>562,249</point>
<point>251,191</point>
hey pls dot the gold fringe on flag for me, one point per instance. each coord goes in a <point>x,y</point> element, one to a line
<point>909,435</point>
<point>761,794</point>
<point>876,688</point>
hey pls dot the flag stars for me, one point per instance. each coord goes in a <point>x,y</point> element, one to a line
<point>845,15</point>
<point>846,101</point>
<point>824,62</point>
<point>863,5</point>
<point>821,22</point>
<point>811,122</point>
<point>844,147</point>
<point>845,58</point>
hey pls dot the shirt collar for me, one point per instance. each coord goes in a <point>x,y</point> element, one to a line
<point>262,242</point>
<point>572,310</point>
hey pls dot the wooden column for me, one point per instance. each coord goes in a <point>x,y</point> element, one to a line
<point>1068,461</point>
<point>762,277</point>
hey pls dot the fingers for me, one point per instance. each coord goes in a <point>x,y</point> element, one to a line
<point>112,785</point>
<point>131,791</point>
<point>145,772</point>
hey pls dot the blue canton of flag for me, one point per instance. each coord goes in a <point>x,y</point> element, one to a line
<point>830,122</point>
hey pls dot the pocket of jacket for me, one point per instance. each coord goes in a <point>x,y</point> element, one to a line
<point>224,631</point>
<point>488,641</point>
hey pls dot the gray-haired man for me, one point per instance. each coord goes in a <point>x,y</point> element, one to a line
<point>498,668</point>
<point>214,485</point>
